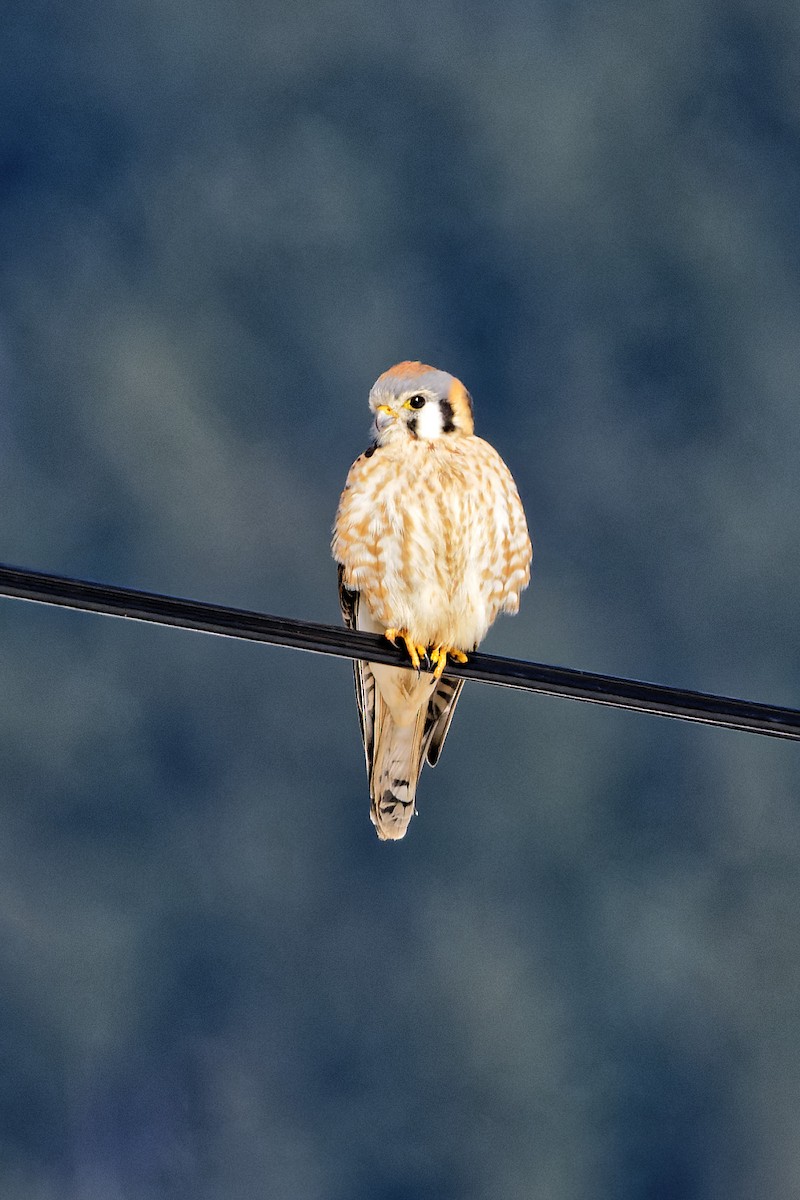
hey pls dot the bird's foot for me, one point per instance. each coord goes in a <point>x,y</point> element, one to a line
<point>439,656</point>
<point>415,651</point>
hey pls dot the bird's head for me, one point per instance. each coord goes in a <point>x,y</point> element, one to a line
<point>421,403</point>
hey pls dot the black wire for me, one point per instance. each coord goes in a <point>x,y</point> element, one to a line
<point>344,643</point>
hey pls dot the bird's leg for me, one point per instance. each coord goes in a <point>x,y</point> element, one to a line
<point>415,651</point>
<point>439,656</point>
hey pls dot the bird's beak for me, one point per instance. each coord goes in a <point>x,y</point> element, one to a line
<point>384,415</point>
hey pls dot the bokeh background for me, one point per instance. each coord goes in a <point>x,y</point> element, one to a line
<point>579,976</point>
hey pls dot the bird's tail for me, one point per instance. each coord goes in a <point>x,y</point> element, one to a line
<point>396,765</point>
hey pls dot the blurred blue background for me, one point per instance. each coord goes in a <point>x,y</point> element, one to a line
<point>579,976</point>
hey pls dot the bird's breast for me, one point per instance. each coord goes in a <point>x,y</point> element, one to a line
<point>423,532</point>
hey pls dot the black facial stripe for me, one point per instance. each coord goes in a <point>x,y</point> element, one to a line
<point>370,450</point>
<point>412,426</point>
<point>446,409</point>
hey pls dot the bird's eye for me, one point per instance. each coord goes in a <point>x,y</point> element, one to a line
<point>416,402</point>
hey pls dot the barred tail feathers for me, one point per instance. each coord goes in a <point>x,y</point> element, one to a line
<point>398,753</point>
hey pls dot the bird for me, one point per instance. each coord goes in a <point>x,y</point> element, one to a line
<point>431,543</point>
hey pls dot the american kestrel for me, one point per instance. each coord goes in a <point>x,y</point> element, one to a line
<point>432,544</point>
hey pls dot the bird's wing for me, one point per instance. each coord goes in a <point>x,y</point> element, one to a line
<point>440,713</point>
<point>364,679</point>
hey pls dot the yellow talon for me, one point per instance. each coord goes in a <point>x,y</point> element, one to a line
<point>439,656</point>
<point>414,651</point>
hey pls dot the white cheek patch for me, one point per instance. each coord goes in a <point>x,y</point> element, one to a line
<point>429,420</point>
